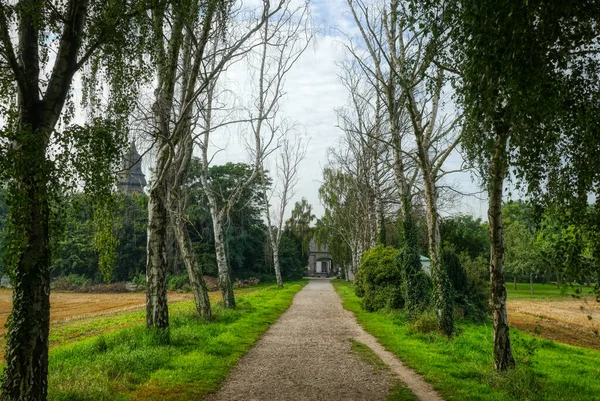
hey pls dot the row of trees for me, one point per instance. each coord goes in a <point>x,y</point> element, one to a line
<point>246,236</point>
<point>524,108</point>
<point>149,69</point>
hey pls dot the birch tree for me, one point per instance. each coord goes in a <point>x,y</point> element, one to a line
<point>281,44</point>
<point>191,52</point>
<point>291,154</point>
<point>44,46</point>
<point>397,45</point>
<point>516,68</point>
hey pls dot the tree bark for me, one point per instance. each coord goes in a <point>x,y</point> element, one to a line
<point>503,357</point>
<point>531,283</point>
<point>157,310</point>
<point>515,281</point>
<point>26,371</point>
<point>194,270</point>
<point>224,278</point>
<point>277,267</point>
<point>443,301</point>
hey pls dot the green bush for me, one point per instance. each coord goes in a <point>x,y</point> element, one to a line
<point>425,323</point>
<point>139,279</point>
<point>379,279</point>
<point>416,284</point>
<point>471,292</point>
<point>176,282</point>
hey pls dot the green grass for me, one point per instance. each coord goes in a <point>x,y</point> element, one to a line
<point>135,364</point>
<point>545,291</point>
<point>399,391</point>
<point>368,355</point>
<point>461,368</point>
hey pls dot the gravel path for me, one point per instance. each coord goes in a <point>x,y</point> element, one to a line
<point>306,356</point>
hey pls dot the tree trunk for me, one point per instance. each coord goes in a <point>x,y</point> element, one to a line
<point>531,283</point>
<point>276,265</point>
<point>503,357</point>
<point>442,289</point>
<point>157,310</point>
<point>515,281</point>
<point>558,283</point>
<point>26,371</point>
<point>194,270</point>
<point>223,268</point>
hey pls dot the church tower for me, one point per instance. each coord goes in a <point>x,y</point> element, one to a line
<point>132,178</point>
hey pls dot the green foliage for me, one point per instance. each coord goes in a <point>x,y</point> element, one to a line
<point>379,279</point>
<point>121,253</point>
<point>465,234</point>
<point>245,231</point>
<point>176,282</point>
<point>461,367</point>
<point>71,282</point>
<point>425,323</point>
<point>416,285</point>
<point>293,265</point>
<point>471,292</point>
<point>298,225</point>
<point>3,224</point>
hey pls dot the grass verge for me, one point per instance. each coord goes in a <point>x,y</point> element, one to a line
<point>399,391</point>
<point>136,364</point>
<point>461,368</point>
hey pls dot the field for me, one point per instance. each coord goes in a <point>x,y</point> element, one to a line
<point>555,314</point>
<point>461,368</point>
<point>66,306</point>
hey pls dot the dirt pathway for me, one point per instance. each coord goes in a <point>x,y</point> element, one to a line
<point>306,356</point>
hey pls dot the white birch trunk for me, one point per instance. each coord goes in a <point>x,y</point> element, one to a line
<point>222,266</point>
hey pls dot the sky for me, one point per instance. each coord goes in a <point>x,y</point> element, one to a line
<point>313,93</point>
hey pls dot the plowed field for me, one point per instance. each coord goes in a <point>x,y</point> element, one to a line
<point>570,321</point>
<point>74,306</point>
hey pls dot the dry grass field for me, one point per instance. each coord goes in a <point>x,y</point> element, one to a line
<point>65,306</point>
<point>567,320</point>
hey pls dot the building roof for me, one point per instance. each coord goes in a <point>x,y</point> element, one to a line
<point>132,179</point>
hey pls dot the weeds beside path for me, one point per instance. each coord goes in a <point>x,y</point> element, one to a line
<point>461,368</point>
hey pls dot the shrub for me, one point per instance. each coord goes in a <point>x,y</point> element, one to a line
<point>71,282</point>
<point>416,286</point>
<point>379,279</point>
<point>176,282</point>
<point>470,290</point>
<point>139,279</point>
<point>425,323</point>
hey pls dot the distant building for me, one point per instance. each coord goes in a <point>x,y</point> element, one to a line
<point>320,262</point>
<point>132,178</point>
<point>426,264</point>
